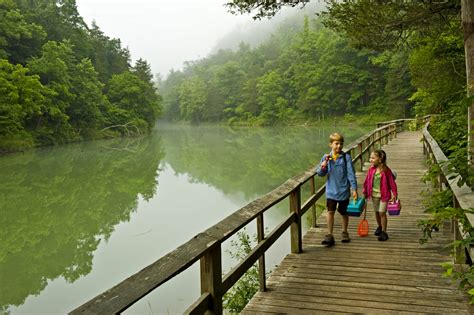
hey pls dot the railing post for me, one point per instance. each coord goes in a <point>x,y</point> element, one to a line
<point>211,277</point>
<point>377,142</point>
<point>295,229</point>
<point>424,145</point>
<point>459,251</point>
<point>361,157</point>
<point>261,260</point>
<point>313,207</point>
<point>371,144</point>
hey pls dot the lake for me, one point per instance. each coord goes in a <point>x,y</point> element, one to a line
<point>78,219</point>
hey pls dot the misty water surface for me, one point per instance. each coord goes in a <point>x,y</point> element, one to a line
<point>77,219</point>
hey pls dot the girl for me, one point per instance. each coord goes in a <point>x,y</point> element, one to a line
<point>380,186</point>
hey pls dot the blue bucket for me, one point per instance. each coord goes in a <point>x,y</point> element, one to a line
<point>355,207</point>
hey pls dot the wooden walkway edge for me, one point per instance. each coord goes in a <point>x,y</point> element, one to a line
<point>366,276</point>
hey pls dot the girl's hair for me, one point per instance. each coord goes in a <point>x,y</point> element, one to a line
<point>382,157</point>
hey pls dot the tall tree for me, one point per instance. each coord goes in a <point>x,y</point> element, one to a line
<point>468,27</point>
<point>86,109</point>
<point>55,67</point>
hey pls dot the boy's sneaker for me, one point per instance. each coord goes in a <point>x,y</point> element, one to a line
<point>345,237</point>
<point>378,231</point>
<point>383,236</point>
<point>328,240</point>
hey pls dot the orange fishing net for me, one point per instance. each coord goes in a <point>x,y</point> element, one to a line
<point>363,228</point>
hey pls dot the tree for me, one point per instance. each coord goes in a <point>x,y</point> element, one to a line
<point>468,27</point>
<point>270,97</point>
<point>22,97</point>
<point>128,93</point>
<point>18,37</point>
<point>54,68</point>
<point>85,110</point>
<point>143,70</point>
<point>228,81</point>
<point>192,99</point>
<point>107,55</point>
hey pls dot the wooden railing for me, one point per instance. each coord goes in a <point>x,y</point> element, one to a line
<point>419,122</point>
<point>206,246</point>
<point>463,197</point>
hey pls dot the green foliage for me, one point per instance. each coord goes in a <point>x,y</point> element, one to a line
<point>440,214</point>
<point>245,288</point>
<point>192,97</point>
<point>439,205</point>
<point>53,70</point>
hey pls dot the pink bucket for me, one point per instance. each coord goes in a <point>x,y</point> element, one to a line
<point>394,207</point>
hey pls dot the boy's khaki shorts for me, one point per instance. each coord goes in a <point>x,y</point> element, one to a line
<point>379,206</point>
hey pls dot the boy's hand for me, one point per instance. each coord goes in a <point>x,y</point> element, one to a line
<point>325,162</point>
<point>354,194</point>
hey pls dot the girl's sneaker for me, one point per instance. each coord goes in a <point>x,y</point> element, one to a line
<point>383,236</point>
<point>378,231</point>
<point>328,240</point>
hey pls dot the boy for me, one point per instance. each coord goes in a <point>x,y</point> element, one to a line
<point>337,165</point>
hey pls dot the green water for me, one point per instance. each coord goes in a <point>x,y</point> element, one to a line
<point>79,218</point>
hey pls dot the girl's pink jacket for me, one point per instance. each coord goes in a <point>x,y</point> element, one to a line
<point>387,184</point>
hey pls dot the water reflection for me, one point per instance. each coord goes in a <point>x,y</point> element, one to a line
<point>57,203</point>
<point>252,161</point>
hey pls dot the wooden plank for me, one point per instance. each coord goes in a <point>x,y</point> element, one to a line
<point>203,304</point>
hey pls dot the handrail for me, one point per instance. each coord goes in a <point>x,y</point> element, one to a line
<point>463,197</point>
<point>419,121</point>
<point>206,246</point>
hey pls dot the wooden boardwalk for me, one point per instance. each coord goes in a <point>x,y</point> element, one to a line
<point>366,276</point>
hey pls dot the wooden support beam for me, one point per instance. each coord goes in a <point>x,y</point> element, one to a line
<point>295,229</point>
<point>211,278</point>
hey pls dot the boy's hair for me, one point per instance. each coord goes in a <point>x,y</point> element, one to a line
<point>382,156</point>
<point>336,137</point>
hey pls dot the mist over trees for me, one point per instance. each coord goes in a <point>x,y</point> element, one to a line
<point>302,71</point>
<point>63,81</point>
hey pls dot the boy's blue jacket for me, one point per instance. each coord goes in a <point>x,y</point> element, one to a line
<point>340,177</point>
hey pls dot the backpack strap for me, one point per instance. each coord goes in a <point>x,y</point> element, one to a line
<point>345,164</point>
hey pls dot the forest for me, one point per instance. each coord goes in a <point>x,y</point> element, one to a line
<point>62,81</point>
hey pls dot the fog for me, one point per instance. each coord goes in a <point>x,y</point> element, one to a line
<point>167,33</point>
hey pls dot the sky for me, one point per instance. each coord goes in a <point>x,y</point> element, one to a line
<point>164,32</point>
